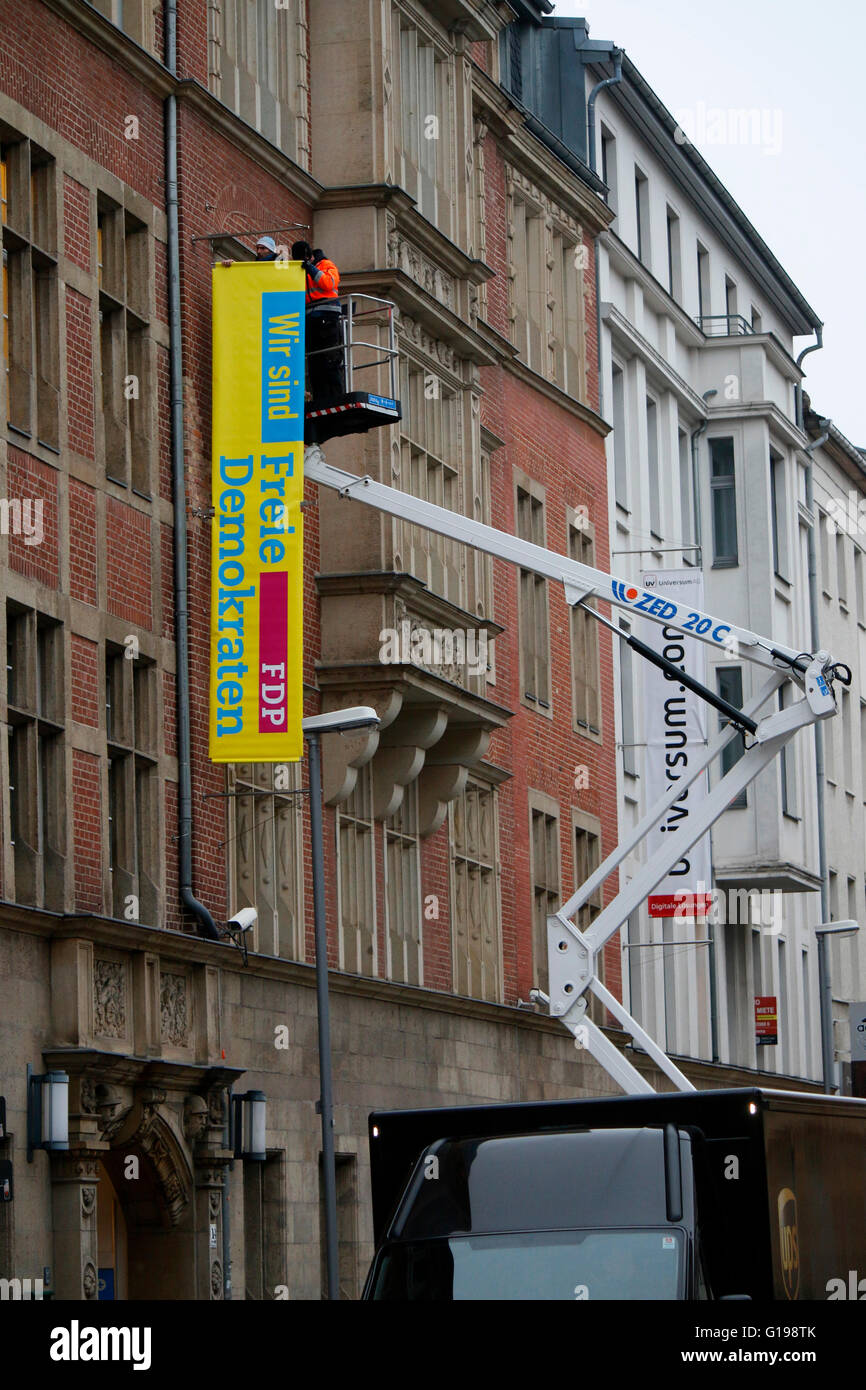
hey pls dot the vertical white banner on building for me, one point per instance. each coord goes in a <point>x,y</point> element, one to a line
<point>676,735</point>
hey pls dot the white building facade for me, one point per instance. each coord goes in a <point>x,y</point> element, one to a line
<point>707,470</point>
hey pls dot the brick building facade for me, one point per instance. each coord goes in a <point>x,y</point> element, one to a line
<point>489,793</point>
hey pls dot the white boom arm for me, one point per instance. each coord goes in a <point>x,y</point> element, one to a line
<point>573,954</point>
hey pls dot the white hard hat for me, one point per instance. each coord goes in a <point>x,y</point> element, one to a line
<point>268,243</point>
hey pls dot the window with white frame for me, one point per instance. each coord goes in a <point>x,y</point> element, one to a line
<point>585,668</point>
<point>533,615</point>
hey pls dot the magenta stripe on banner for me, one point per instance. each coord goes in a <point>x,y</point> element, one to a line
<point>273,653</point>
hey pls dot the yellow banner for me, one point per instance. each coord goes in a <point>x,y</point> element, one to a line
<point>257,549</point>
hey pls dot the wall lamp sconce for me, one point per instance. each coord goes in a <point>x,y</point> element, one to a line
<point>248,1126</point>
<point>47,1111</point>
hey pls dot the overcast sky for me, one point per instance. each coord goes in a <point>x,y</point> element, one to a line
<point>807,200</point>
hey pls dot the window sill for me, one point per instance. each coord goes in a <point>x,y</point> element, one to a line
<point>726,564</point>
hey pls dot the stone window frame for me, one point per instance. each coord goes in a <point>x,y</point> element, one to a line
<point>533,596</point>
<point>132,785</point>
<point>125,349</point>
<point>262,802</point>
<point>584,634</point>
<point>402,890</point>
<point>356,864</point>
<point>31,289</point>
<point>35,804</point>
<point>489,868</point>
<point>291,97</point>
<point>544,813</point>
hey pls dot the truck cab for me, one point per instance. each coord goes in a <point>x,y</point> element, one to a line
<point>581,1214</point>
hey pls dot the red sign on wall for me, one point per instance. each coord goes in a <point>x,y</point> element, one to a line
<point>766,1020</point>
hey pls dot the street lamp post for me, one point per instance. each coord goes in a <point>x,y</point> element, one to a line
<point>825,994</point>
<point>341,721</point>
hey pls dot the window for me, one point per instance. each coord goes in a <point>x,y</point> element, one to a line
<point>425,157</point>
<point>841,569</point>
<point>264,1225</point>
<point>258,68</point>
<point>125,345</point>
<point>567,305</point>
<point>788,763</point>
<point>686,508</point>
<point>807,1009</point>
<point>587,857</point>
<point>828,726</point>
<point>730,304</point>
<point>779,515</point>
<point>608,167</point>
<point>545,885</point>
<point>36,751</point>
<point>703,281</point>
<point>641,202</point>
<point>527,276</point>
<point>431,447</point>
<point>847,741</point>
<point>585,670</point>
<point>724,502</point>
<point>132,740</point>
<point>356,880</point>
<point>533,616</point>
<point>132,16</point>
<point>675,269</point>
<point>859,596</point>
<point>786,1022</point>
<point>626,681</point>
<point>729,684</point>
<point>822,545</point>
<point>266,854</point>
<point>620,454</point>
<point>31,316</point>
<point>862,747</point>
<point>757,321</point>
<point>403,912</point>
<point>652,447</point>
<point>477,930</point>
<point>348,1251</point>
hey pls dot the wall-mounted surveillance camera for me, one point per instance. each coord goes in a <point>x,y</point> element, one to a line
<point>243,920</point>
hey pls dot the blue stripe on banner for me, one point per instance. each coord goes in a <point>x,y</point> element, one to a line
<point>282,366</point>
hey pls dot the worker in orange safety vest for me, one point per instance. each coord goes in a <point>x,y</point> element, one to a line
<point>324,326</point>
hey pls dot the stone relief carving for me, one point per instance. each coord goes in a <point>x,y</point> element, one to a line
<point>109,1002</point>
<point>88,1201</point>
<point>195,1118</point>
<point>174,1009</point>
<point>434,347</point>
<point>216,1280</point>
<point>88,1280</point>
<point>406,257</point>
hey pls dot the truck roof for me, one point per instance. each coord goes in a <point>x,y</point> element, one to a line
<point>399,1137</point>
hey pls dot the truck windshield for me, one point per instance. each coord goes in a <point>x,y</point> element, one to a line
<point>616,1264</point>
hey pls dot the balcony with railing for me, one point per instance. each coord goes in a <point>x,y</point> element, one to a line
<point>723,325</point>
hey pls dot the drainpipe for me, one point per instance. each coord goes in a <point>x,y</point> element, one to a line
<point>798,388</point>
<point>828,1059</point>
<point>206,925</point>
<point>616,55</point>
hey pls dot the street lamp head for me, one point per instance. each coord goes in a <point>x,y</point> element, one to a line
<point>846,928</point>
<point>340,721</point>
